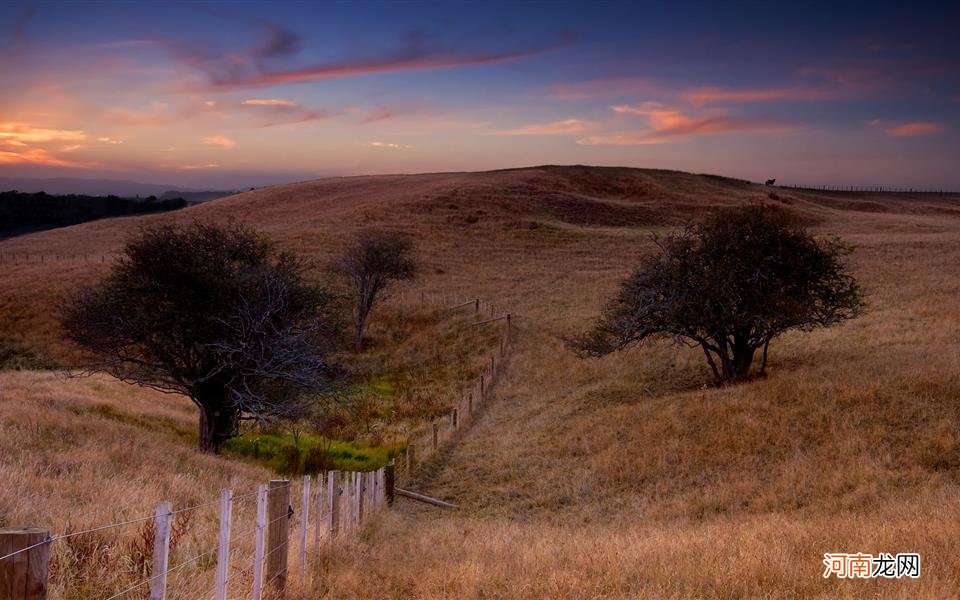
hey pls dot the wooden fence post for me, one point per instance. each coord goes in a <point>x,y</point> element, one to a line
<point>223,551</point>
<point>357,498</point>
<point>23,576</point>
<point>482,385</point>
<point>319,521</point>
<point>453,416</point>
<point>333,502</point>
<point>470,404</point>
<point>259,542</point>
<point>304,524</point>
<point>161,551</point>
<point>362,505</point>
<point>390,476</point>
<point>477,306</point>
<point>278,532</point>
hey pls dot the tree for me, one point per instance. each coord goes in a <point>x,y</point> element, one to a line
<point>730,285</point>
<point>372,263</point>
<point>215,313</point>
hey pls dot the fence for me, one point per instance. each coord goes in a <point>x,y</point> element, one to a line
<point>18,259</point>
<point>424,443</point>
<point>335,508</point>
<point>331,507</point>
<point>864,188</point>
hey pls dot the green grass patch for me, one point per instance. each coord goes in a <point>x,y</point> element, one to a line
<point>309,453</point>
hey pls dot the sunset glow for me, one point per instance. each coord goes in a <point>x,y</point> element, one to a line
<point>249,94</point>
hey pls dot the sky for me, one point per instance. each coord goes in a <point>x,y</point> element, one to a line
<point>233,94</point>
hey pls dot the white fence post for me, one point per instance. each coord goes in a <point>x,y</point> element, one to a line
<point>260,532</point>
<point>304,524</point>
<point>223,552</point>
<point>161,551</point>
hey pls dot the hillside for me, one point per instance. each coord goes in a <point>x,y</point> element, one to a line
<point>627,477</point>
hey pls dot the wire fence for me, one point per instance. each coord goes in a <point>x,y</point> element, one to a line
<point>252,560</point>
<point>876,189</point>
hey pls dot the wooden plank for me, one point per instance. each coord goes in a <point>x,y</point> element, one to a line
<point>161,551</point>
<point>260,542</point>
<point>319,521</point>
<point>304,524</point>
<point>24,575</point>
<point>223,550</point>
<point>278,533</point>
<point>390,478</point>
<point>333,502</point>
<point>422,498</point>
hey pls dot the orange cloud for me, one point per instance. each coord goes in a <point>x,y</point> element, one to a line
<point>667,123</point>
<point>38,156</point>
<point>914,129</point>
<point>198,167</point>
<point>220,141</point>
<point>710,95</point>
<point>21,134</point>
<point>566,127</point>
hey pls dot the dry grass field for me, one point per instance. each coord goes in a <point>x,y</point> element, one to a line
<point>625,477</point>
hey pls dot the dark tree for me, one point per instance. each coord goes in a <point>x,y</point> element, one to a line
<point>373,262</point>
<point>730,286</point>
<point>215,313</point>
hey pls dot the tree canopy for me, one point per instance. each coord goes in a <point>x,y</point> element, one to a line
<point>214,312</point>
<point>730,285</point>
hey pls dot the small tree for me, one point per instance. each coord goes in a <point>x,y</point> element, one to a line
<point>730,286</point>
<point>212,312</point>
<point>373,262</point>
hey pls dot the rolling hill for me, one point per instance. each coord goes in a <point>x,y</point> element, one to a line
<point>628,476</point>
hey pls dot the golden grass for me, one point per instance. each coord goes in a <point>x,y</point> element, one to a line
<point>624,477</point>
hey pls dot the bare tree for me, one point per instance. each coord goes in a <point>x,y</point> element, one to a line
<point>214,313</point>
<point>373,262</point>
<point>730,286</point>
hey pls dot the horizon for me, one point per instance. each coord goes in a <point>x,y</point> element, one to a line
<point>232,96</point>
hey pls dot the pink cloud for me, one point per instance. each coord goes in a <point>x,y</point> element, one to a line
<point>219,141</point>
<point>39,156</point>
<point>667,123</point>
<point>914,129</point>
<point>710,95</point>
<point>270,102</point>
<point>565,127</point>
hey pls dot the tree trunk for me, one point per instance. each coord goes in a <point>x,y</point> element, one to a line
<point>217,425</point>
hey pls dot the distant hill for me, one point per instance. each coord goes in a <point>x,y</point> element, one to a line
<point>89,187</point>
<point>196,197</point>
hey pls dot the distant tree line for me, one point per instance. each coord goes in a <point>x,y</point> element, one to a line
<point>22,212</point>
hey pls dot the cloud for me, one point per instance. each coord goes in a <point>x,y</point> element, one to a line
<point>198,167</point>
<point>914,129</point>
<point>270,102</point>
<point>566,127</point>
<point>26,134</point>
<point>389,145</point>
<point>256,66</point>
<point>667,123</point>
<point>698,97</point>
<point>109,140</point>
<point>39,156</point>
<point>220,141</point>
